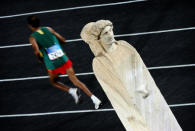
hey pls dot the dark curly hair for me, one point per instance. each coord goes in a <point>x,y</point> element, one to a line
<point>33,21</point>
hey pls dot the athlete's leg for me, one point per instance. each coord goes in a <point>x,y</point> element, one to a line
<point>72,91</point>
<point>77,82</point>
<point>83,87</point>
<point>53,80</point>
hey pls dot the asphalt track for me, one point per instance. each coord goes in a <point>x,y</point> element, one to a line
<point>161,31</point>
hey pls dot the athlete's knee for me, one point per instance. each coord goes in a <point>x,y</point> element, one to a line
<point>53,81</point>
<point>78,83</point>
<point>75,82</point>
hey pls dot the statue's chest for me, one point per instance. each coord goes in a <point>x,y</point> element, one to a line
<point>121,63</point>
<point>121,58</point>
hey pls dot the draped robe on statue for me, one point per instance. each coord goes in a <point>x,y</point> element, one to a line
<point>125,79</point>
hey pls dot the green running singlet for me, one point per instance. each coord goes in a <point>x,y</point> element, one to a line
<point>53,54</point>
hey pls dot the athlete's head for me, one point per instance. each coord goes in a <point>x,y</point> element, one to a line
<point>33,22</point>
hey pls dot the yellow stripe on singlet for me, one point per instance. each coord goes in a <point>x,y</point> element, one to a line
<point>40,32</point>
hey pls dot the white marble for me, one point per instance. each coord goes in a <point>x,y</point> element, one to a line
<point>127,82</point>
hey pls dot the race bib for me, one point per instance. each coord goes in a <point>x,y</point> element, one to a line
<point>54,52</point>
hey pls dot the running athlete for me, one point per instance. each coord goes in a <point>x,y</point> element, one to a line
<point>46,45</point>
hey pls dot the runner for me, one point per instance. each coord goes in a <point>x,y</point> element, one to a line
<point>46,45</point>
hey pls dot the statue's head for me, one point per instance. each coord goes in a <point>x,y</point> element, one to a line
<point>96,34</point>
<point>107,36</point>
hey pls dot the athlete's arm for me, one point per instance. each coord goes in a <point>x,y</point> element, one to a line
<point>61,38</point>
<point>36,48</point>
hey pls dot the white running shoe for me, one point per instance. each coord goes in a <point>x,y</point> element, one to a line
<point>96,102</point>
<point>75,94</point>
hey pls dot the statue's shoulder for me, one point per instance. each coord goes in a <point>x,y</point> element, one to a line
<point>100,61</point>
<point>97,66</point>
<point>96,61</point>
<point>125,44</point>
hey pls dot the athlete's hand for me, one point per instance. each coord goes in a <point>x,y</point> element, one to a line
<point>35,47</point>
<point>40,57</point>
